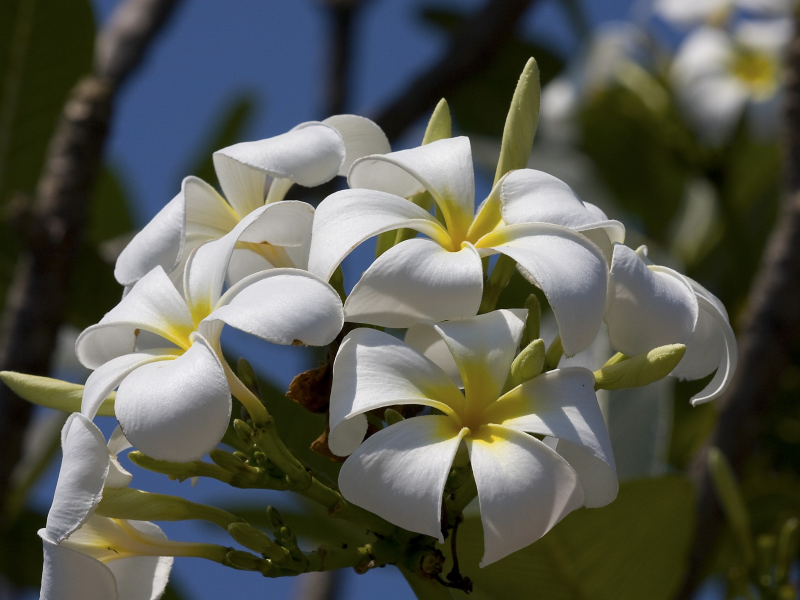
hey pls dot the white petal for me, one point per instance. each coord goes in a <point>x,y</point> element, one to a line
<point>282,306</point>
<point>117,442</point>
<point>208,215</point>
<point>142,577</point>
<point>647,308</point>
<point>84,467</point>
<point>117,477</point>
<point>524,489</point>
<point>176,410</point>
<point>689,12</point>
<point>108,376</point>
<point>728,356</point>
<point>361,136</point>
<point>600,483</point>
<point>425,338</point>
<point>444,168</point>
<point>563,404</point>
<point>373,370</point>
<point>70,575</point>
<point>347,218</point>
<point>244,263</point>
<point>770,35</point>
<point>160,243</point>
<point>530,196</point>
<point>399,473</point>
<point>310,154</point>
<point>417,280</point>
<point>569,269</point>
<point>153,304</point>
<point>483,348</point>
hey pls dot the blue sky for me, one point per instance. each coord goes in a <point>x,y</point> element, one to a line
<point>212,52</point>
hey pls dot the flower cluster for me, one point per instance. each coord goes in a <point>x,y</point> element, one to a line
<point>529,435</point>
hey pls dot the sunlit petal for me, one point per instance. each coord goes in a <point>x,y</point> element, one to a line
<point>361,136</point>
<point>70,575</point>
<point>426,339</point>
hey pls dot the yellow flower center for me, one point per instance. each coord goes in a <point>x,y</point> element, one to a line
<point>758,71</point>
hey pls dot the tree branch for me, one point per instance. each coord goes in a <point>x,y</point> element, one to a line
<point>470,49</point>
<point>770,334</point>
<point>53,228</point>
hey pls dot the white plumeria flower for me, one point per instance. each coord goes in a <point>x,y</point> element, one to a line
<point>442,277</point>
<point>89,557</point>
<point>696,12</point>
<point>174,399</point>
<point>525,486</point>
<point>310,154</point>
<point>650,306</point>
<point>717,77</point>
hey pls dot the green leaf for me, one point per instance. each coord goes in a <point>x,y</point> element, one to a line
<point>636,547</point>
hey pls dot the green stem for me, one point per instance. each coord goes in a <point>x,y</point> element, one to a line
<point>460,499</point>
<point>501,274</point>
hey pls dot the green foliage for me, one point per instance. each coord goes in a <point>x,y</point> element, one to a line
<point>21,550</point>
<point>691,425</point>
<point>481,104</point>
<point>634,548</point>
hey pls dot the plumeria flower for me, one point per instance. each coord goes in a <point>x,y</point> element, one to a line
<point>717,77</point>
<point>697,12</point>
<point>89,557</point>
<point>162,350</point>
<point>525,486</point>
<point>441,277</point>
<point>651,306</point>
<point>310,154</point>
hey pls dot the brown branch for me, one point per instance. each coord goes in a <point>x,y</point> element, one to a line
<point>341,15</point>
<point>470,49</point>
<point>770,335</point>
<point>52,230</point>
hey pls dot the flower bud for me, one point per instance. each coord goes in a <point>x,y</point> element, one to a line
<point>644,369</point>
<point>53,393</point>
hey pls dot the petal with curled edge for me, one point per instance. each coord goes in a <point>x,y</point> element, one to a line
<point>310,154</point>
<point>373,370</point>
<point>281,306</point>
<point>425,339</point>
<point>417,280</point>
<point>530,196</point>
<point>208,215</point>
<point>563,404</point>
<point>524,489</point>
<point>399,473</point>
<point>176,410</point>
<point>483,348</point>
<point>569,269</point>
<point>443,167</point>
<point>71,575</point>
<point>153,305</point>
<point>118,477</point>
<point>347,218</point>
<point>361,136</point>
<point>706,347</point>
<point>108,376</point>
<point>84,468</point>
<point>282,224</point>
<point>647,308</point>
<point>142,577</point>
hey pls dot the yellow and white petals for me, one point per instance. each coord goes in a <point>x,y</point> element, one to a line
<point>400,472</point>
<point>417,280</point>
<point>84,468</point>
<point>530,196</point>
<point>361,137</point>
<point>71,575</point>
<point>647,308</point>
<point>347,218</point>
<point>524,489</point>
<point>176,410</point>
<point>483,348</point>
<point>563,404</point>
<point>443,167</point>
<point>282,306</point>
<point>426,339</point>
<point>108,376</point>
<point>696,12</point>
<point>374,370</point>
<point>154,305</point>
<point>569,269</point>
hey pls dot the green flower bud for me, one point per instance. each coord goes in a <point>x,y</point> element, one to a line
<point>391,416</point>
<point>528,364</point>
<point>521,122</point>
<point>53,393</point>
<point>258,541</point>
<point>622,372</point>
<point>533,321</point>
<point>243,561</point>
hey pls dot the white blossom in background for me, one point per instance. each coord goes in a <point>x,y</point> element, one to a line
<point>310,154</point>
<point>89,557</point>
<point>442,277</point>
<point>698,12</point>
<point>525,486</point>
<point>718,77</point>
<point>650,306</point>
<point>174,398</point>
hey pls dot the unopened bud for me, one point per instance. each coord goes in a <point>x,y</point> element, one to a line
<point>533,321</point>
<point>528,364</point>
<point>247,375</point>
<point>554,354</point>
<point>258,541</point>
<point>243,430</point>
<point>275,518</point>
<point>639,370</point>
<point>391,416</point>
<point>234,464</point>
<point>53,393</point>
<point>243,561</point>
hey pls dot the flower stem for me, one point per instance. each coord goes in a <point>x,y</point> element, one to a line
<point>499,278</point>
